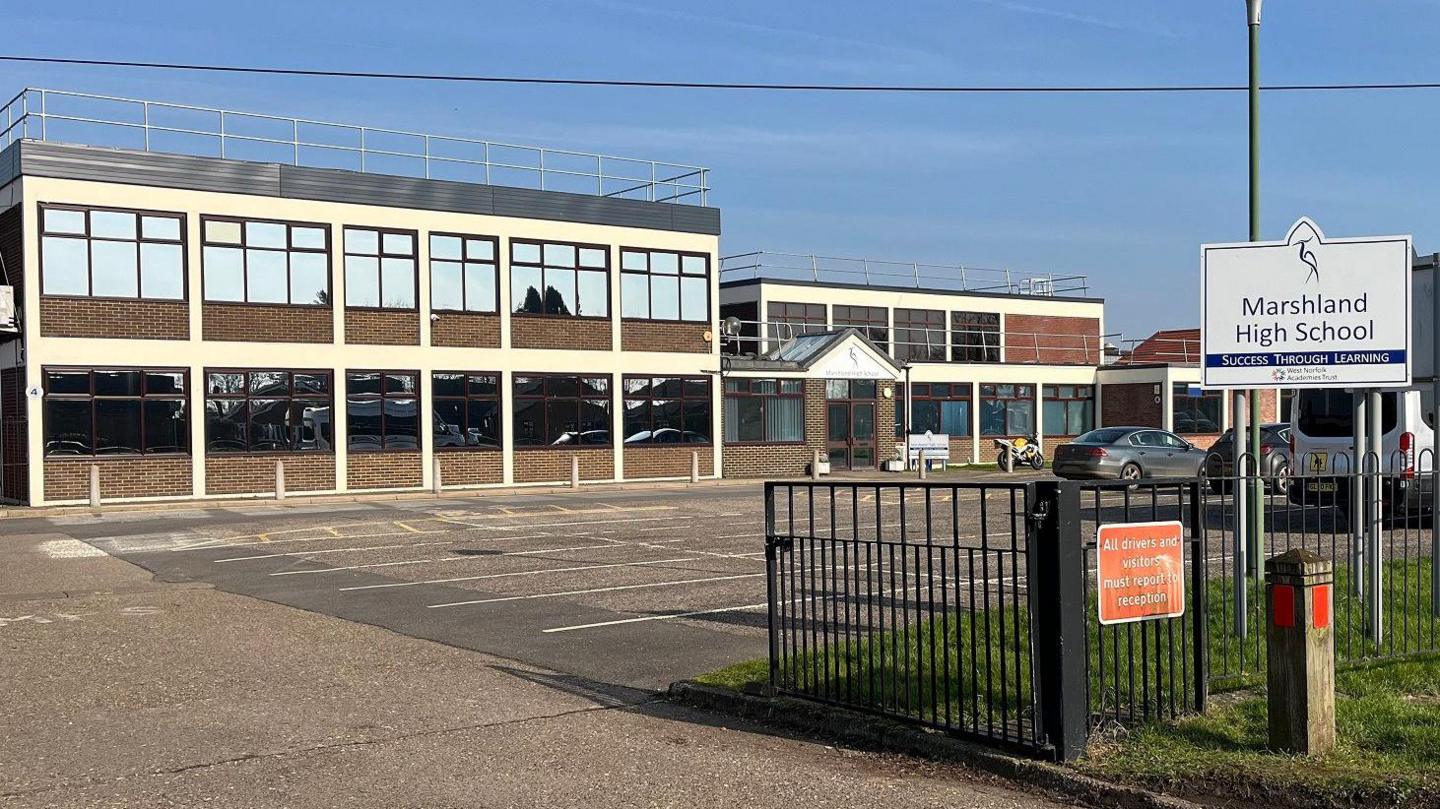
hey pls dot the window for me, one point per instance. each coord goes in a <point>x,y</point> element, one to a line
<point>1069,409</point>
<point>790,320</point>
<point>1007,410</point>
<point>667,410</point>
<point>463,277</point>
<point>1197,414</point>
<point>380,268</point>
<point>658,285</point>
<point>939,407</point>
<point>919,335</point>
<point>268,411</point>
<point>764,411</point>
<point>975,337</point>
<point>566,280</point>
<point>850,389</point>
<point>382,410</point>
<point>115,411</point>
<point>466,409</point>
<point>112,254</point>
<point>871,321</point>
<point>248,261</point>
<point>1331,414</point>
<point>562,411</point>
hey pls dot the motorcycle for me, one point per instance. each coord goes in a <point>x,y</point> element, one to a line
<point>1020,451</point>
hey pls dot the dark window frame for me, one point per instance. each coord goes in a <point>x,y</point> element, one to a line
<point>512,264</point>
<point>382,397</point>
<point>807,322</point>
<point>182,242</point>
<point>680,273</point>
<point>908,321</point>
<point>963,324</point>
<point>779,393</point>
<point>1181,391</point>
<point>246,396</point>
<point>289,248</point>
<point>92,397</point>
<point>497,397</point>
<point>1050,394</point>
<point>925,392</point>
<point>464,251</point>
<point>844,316</point>
<point>380,255</point>
<point>1016,396</point>
<point>518,400</point>
<point>683,398</point>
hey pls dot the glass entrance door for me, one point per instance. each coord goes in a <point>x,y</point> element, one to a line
<point>850,424</point>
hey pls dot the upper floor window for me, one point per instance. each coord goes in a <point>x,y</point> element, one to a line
<point>562,410</point>
<point>267,411</point>
<point>463,277</point>
<point>380,268</point>
<point>667,410</point>
<point>871,321</point>
<point>1007,410</point>
<point>552,278</point>
<point>975,336</point>
<point>919,335</point>
<point>250,261</point>
<point>115,411</point>
<point>382,410</point>
<point>112,254</point>
<point>661,285</point>
<point>466,409</point>
<point>788,320</point>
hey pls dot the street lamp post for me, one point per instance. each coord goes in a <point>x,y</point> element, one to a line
<point>1256,513</point>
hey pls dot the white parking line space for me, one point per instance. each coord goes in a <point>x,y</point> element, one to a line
<point>292,554</point>
<point>540,572</point>
<point>616,588</point>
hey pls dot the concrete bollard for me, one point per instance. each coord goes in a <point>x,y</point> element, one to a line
<point>694,467</point>
<point>574,471</point>
<point>1009,460</point>
<point>1301,669</point>
<point>94,485</point>
<point>436,484</point>
<point>815,466</point>
<point>279,480</point>
<point>921,465</point>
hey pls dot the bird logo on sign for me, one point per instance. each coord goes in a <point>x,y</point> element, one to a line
<point>1307,257</point>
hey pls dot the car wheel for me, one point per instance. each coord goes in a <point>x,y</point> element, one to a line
<point>1280,481</point>
<point>1130,472</point>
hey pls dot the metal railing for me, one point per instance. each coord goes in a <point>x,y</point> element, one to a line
<point>156,126</point>
<point>1157,350</point>
<point>935,345</point>
<point>869,272</point>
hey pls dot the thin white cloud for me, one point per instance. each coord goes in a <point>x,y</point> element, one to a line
<point>1082,19</point>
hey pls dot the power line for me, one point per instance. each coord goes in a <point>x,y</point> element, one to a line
<point>708,85</point>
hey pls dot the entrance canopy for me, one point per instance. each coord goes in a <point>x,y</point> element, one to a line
<point>843,354</point>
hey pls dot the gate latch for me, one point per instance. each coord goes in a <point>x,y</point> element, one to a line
<point>1040,512</point>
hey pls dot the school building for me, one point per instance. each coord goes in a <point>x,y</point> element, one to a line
<point>220,304</point>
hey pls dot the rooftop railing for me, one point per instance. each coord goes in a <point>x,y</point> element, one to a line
<point>156,126</point>
<point>1154,350</point>
<point>751,337</point>
<point>869,272</point>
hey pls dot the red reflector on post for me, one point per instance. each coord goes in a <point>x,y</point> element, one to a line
<point>1282,605</point>
<point>1320,614</point>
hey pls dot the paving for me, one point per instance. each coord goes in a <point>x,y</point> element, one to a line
<point>158,659</point>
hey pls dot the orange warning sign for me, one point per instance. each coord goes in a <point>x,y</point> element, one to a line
<point>1141,571</point>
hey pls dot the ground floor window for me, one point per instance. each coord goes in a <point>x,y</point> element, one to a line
<point>667,410</point>
<point>382,410</point>
<point>1007,410</point>
<point>1069,409</point>
<point>562,410</point>
<point>942,408</point>
<point>1197,411</point>
<point>267,411</point>
<point>466,410</point>
<point>764,411</point>
<point>115,411</point>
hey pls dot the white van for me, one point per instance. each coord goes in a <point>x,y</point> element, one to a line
<point>1322,443</point>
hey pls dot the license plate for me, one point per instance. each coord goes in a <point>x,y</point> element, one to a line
<point>1318,462</point>
<point>1321,486</point>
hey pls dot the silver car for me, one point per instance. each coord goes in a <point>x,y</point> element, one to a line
<point>1128,453</point>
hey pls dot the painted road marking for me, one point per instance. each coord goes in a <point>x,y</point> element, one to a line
<point>517,573</point>
<point>327,550</point>
<point>450,559</point>
<point>673,615</point>
<point>70,549</point>
<point>594,590</point>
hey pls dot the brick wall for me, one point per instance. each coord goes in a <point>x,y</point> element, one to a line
<point>249,322</point>
<point>245,473</point>
<point>1204,441</point>
<point>962,449</point>
<point>884,424</point>
<point>14,409</point>
<point>649,335</point>
<point>384,470</point>
<point>103,317</point>
<point>133,476</point>
<point>382,327</point>
<point>1131,404</point>
<point>465,330</point>
<point>1269,404</point>
<point>666,460</point>
<point>1052,340</point>
<point>559,332</point>
<point>469,467</point>
<point>549,465</point>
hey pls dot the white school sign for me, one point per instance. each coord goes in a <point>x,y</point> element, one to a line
<point>1306,312</point>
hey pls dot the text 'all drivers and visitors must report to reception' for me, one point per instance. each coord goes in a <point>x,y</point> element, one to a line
<point>1140,573</point>
<point>1307,312</point>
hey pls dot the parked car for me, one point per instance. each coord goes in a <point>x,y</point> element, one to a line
<point>1322,444</point>
<point>1127,453</point>
<point>1274,464</point>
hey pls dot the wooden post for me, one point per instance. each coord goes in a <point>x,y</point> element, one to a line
<point>574,471</point>
<point>94,485</point>
<point>279,480</point>
<point>1299,612</point>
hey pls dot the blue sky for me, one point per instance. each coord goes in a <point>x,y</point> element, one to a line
<point>1123,189</point>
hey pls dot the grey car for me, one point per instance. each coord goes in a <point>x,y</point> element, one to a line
<point>1128,453</point>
